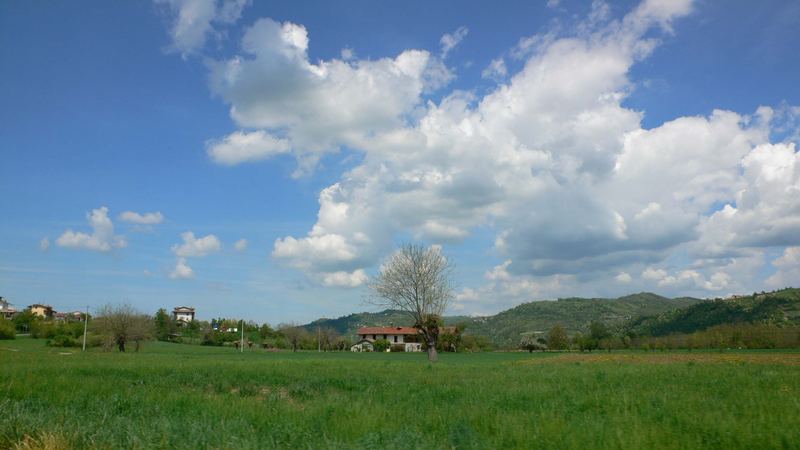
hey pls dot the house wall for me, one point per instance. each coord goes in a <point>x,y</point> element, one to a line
<point>413,347</point>
<point>389,337</point>
<point>41,312</point>
<point>184,316</point>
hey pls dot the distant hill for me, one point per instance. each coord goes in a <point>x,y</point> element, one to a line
<point>504,328</point>
<point>347,325</point>
<point>574,314</point>
<point>779,307</point>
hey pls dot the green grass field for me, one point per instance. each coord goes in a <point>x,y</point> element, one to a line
<point>183,396</point>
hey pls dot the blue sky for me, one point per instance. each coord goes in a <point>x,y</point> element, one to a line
<point>551,148</point>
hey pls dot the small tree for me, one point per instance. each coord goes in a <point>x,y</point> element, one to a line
<point>557,338</point>
<point>122,324</point>
<point>7,330</point>
<point>25,320</point>
<point>530,342</point>
<point>416,280</point>
<point>164,326</point>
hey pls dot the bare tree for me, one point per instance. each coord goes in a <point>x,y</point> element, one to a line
<point>327,337</point>
<point>122,324</point>
<point>416,280</point>
<point>294,333</point>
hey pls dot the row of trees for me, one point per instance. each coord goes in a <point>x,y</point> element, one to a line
<point>219,331</point>
<point>112,326</point>
<point>599,337</point>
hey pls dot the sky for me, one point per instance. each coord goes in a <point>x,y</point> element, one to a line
<point>260,160</point>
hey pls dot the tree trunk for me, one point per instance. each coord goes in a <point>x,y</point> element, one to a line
<point>121,344</point>
<point>433,355</point>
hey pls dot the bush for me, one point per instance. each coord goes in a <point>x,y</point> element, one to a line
<point>63,340</point>
<point>212,338</point>
<point>7,329</point>
<point>49,330</point>
<point>381,345</point>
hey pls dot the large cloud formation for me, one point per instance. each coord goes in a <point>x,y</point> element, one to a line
<point>579,196</point>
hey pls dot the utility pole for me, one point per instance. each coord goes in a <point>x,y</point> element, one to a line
<point>85,326</point>
<point>241,347</point>
<point>319,340</point>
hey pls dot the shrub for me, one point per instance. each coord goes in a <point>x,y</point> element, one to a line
<point>381,345</point>
<point>63,340</point>
<point>7,329</point>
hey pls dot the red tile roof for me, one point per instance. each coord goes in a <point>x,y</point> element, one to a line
<point>399,330</point>
<point>387,330</point>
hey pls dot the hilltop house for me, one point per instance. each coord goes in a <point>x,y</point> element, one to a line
<point>183,314</point>
<point>6,310</point>
<point>395,336</point>
<point>44,311</point>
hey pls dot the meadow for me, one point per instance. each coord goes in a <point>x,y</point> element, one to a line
<point>186,396</point>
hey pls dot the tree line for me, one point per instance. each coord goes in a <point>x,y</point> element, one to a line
<point>726,336</point>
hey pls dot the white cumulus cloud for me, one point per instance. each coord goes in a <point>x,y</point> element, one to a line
<point>102,238</point>
<point>240,245</point>
<point>182,270</point>
<point>239,147</point>
<point>194,21</point>
<point>196,247</point>
<point>148,218</point>
<point>449,41</point>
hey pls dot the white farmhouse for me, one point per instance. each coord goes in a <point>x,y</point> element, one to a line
<point>395,335</point>
<point>183,314</point>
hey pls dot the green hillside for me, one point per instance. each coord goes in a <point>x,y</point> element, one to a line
<point>504,328</point>
<point>780,307</point>
<point>347,325</point>
<point>574,314</point>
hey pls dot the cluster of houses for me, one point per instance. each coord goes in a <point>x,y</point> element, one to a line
<point>8,311</point>
<point>181,314</point>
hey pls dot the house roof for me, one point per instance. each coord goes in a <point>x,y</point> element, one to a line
<point>183,309</point>
<point>399,330</point>
<point>387,330</point>
<point>39,305</point>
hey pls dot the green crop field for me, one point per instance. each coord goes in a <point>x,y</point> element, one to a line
<point>183,396</point>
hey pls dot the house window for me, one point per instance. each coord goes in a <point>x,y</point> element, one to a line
<point>395,339</point>
<point>373,337</point>
<point>384,337</point>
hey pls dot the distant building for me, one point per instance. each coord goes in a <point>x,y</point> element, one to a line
<point>43,311</point>
<point>183,314</point>
<point>395,335</point>
<point>407,336</point>
<point>74,316</point>
<point>6,310</point>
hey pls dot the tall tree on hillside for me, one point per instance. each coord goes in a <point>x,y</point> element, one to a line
<point>416,280</point>
<point>122,324</point>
